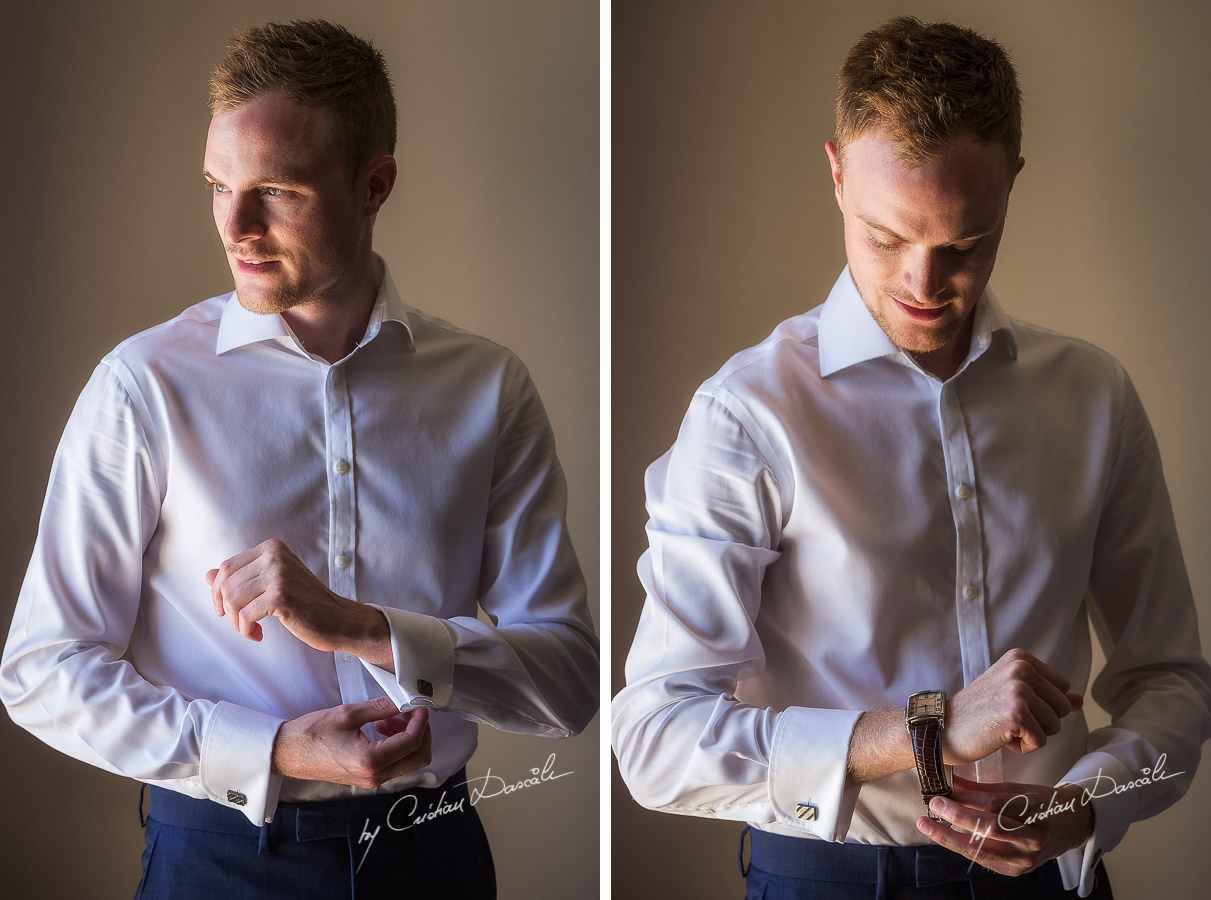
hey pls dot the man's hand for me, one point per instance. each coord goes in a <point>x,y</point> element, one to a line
<point>995,815</point>
<point>328,745</point>
<point>1017,703</point>
<point>269,580</point>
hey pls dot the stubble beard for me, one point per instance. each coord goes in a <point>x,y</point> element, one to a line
<point>924,341</point>
<point>266,300</point>
<point>270,302</point>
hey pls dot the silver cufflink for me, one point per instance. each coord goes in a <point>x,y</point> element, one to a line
<point>237,798</point>
<point>807,812</point>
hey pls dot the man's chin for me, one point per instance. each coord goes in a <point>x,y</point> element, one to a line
<point>915,337</point>
<point>922,343</point>
<point>264,303</point>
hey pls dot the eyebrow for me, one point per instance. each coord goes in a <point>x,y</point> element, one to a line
<point>282,179</point>
<point>967,236</point>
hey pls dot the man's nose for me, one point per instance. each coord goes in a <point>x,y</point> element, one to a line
<point>924,275</point>
<point>244,220</point>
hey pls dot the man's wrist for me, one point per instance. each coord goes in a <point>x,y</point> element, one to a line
<point>370,638</point>
<point>1067,793</point>
<point>880,746</point>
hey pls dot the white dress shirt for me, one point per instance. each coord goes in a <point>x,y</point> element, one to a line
<point>834,529</point>
<point>417,474</point>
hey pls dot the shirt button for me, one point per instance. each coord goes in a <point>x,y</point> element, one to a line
<point>964,491</point>
<point>342,467</point>
<point>971,592</point>
<point>343,561</point>
<point>348,657</point>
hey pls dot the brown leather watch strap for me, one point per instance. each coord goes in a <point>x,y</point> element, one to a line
<point>927,750</point>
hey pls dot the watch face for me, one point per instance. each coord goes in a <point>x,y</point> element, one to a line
<point>926,704</point>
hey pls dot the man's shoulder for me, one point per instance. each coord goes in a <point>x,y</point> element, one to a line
<point>1053,355</point>
<point>192,330</point>
<point>439,340</point>
<point>789,354</point>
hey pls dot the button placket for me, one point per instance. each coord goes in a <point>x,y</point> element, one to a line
<point>342,515</point>
<point>970,575</point>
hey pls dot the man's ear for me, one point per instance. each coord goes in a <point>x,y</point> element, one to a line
<point>1017,168</point>
<point>834,163</point>
<point>380,176</point>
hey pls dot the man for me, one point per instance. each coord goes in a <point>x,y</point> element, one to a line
<point>288,504</point>
<point>906,492</point>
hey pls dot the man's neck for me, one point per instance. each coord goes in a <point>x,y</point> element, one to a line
<point>331,327</point>
<point>944,362</point>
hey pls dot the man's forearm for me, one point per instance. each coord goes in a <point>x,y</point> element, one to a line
<point>880,746</point>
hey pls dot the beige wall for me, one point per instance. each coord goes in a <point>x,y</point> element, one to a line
<point>724,224</point>
<point>107,230</point>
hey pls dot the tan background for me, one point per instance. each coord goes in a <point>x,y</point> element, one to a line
<point>724,224</point>
<point>107,231</point>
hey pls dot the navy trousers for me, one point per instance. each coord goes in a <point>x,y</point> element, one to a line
<point>788,868</point>
<point>417,843</point>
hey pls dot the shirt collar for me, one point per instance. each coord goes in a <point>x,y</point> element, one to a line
<point>849,335</point>
<point>238,327</point>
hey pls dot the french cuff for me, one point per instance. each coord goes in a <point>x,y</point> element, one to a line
<point>1099,774</point>
<point>237,761</point>
<point>423,650</point>
<point>808,761</point>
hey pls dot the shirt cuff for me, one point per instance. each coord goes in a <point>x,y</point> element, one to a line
<point>237,761</point>
<point>423,650</point>
<point>1099,774</point>
<point>808,763</point>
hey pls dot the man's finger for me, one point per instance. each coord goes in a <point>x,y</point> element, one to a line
<point>216,597</point>
<point>977,846</point>
<point>979,797</point>
<point>217,578</point>
<point>247,618</point>
<point>393,725</point>
<point>359,714</point>
<point>1053,676</point>
<point>405,752</point>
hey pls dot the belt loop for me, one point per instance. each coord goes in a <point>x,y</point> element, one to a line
<point>143,818</point>
<point>740,853</point>
<point>881,873</point>
<point>263,844</point>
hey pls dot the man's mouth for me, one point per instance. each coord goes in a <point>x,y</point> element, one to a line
<point>922,313</point>
<point>256,265</point>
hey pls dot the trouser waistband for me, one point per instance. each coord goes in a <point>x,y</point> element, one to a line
<point>315,820</point>
<point>922,866</point>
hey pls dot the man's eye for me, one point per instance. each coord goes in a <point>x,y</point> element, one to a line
<point>274,192</point>
<point>216,188</point>
<point>959,249</point>
<point>879,245</point>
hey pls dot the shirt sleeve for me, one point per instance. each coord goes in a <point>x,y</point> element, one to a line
<point>1156,685</point>
<point>63,676</point>
<point>684,742</point>
<point>533,669</point>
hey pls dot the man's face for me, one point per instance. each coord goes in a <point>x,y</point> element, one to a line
<point>284,204</point>
<point>921,242</point>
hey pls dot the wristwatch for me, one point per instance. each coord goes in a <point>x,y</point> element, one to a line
<point>925,716</point>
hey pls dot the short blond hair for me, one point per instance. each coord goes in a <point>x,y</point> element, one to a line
<point>925,85</point>
<point>315,63</point>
